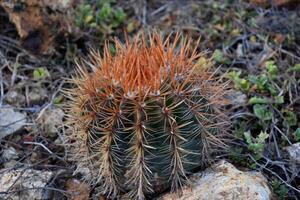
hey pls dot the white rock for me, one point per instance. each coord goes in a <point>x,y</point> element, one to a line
<point>17,184</point>
<point>37,95</point>
<point>224,182</point>
<point>10,121</point>
<point>14,97</point>
<point>10,164</point>
<point>294,152</point>
<point>51,120</point>
<point>9,154</point>
<point>237,98</point>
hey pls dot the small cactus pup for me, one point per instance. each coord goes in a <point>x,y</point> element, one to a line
<point>145,117</point>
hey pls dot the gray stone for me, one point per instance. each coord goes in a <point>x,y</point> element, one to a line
<point>10,121</point>
<point>37,95</point>
<point>13,97</point>
<point>19,183</point>
<point>237,98</point>
<point>50,121</point>
<point>10,164</point>
<point>294,152</point>
<point>9,154</point>
<point>223,181</point>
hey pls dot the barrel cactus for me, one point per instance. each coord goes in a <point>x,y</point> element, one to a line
<point>146,116</point>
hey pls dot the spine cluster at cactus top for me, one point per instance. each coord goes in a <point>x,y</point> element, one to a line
<point>145,117</point>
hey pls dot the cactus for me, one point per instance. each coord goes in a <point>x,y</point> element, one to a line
<point>146,117</point>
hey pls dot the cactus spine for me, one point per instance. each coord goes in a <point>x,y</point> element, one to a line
<point>145,117</point>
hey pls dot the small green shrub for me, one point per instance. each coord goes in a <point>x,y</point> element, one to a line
<point>40,73</point>
<point>105,17</point>
<point>272,69</point>
<point>239,83</point>
<point>297,135</point>
<point>289,118</point>
<point>256,144</point>
<point>280,189</point>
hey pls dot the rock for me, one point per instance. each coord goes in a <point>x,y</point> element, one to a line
<point>223,181</point>
<point>51,120</point>
<point>34,157</point>
<point>37,95</point>
<point>237,98</point>
<point>58,141</point>
<point>9,154</point>
<point>15,98</point>
<point>294,152</point>
<point>10,164</point>
<point>20,181</point>
<point>10,121</point>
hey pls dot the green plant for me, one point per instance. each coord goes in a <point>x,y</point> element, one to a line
<point>84,16</point>
<point>295,68</point>
<point>280,189</point>
<point>104,17</point>
<point>297,135</point>
<point>262,112</point>
<point>265,100</point>
<point>239,83</point>
<point>58,100</point>
<point>272,69</point>
<point>40,73</point>
<point>289,118</point>
<point>219,57</point>
<point>145,117</point>
<point>236,154</point>
<point>239,129</point>
<point>256,145</point>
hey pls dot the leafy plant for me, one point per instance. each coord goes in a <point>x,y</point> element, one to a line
<point>85,16</point>
<point>272,69</point>
<point>262,112</point>
<point>290,118</point>
<point>138,123</point>
<point>297,135</point>
<point>256,145</point>
<point>236,155</point>
<point>239,83</point>
<point>280,189</point>
<point>265,100</point>
<point>295,68</point>
<point>40,73</point>
<point>219,56</point>
<point>104,16</point>
<point>58,100</point>
<point>262,84</point>
<point>239,129</point>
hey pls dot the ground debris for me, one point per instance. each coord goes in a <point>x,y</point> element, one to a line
<point>50,121</point>
<point>294,152</point>
<point>77,189</point>
<point>279,3</point>
<point>39,22</point>
<point>10,121</point>
<point>20,184</point>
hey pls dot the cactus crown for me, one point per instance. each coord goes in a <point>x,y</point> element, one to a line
<point>145,117</point>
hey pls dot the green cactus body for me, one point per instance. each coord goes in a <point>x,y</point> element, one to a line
<point>145,117</point>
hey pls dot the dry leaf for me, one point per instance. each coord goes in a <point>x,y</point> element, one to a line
<point>38,22</point>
